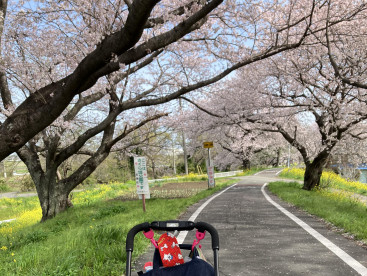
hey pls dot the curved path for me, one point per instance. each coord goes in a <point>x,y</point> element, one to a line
<point>256,238</point>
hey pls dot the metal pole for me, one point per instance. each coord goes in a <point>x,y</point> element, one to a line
<point>185,153</point>
<point>209,163</point>
<point>128,263</point>
<point>289,154</point>
<point>143,197</point>
<point>216,262</point>
<point>2,169</point>
<point>184,145</point>
<point>174,162</point>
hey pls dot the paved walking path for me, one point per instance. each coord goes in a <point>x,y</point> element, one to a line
<point>256,238</point>
<point>16,194</point>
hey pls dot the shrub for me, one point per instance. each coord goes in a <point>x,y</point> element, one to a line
<point>3,186</point>
<point>27,184</point>
<point>90,180</point>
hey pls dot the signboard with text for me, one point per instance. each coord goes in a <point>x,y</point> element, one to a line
<point>141,177</point>
<point>208,145</point>
<point>210,171</point>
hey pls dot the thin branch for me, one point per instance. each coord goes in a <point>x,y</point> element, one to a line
<point>201,108</point>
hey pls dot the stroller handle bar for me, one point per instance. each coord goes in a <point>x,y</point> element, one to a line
<point>171,225</point>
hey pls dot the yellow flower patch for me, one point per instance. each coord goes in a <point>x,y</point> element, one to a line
<point>25,219</point>
<point>328,178</point>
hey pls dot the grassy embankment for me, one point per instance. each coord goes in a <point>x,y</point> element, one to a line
<point>336,200</point>
<point>88,239</point>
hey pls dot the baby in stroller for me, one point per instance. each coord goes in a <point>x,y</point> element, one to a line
<point>168,259</point>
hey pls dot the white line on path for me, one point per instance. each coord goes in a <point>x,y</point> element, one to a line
<point>181,237</point>
<point>349,260</point>
<point>8,220</point>
<point>268,171</point>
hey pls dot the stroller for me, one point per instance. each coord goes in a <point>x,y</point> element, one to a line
<point>195,267</point>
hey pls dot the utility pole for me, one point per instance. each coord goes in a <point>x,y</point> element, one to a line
<point>209,165</point>
<point>289,154</point>
<point>174,158</point>
<point>185,153</point>
<point>2,169</point>
<point>184,145</point>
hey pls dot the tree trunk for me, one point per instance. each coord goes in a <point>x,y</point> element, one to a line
<point>278,157</point>
<point>312,175</point>
<point>153,170</point>
<point>53,197</point>
<point>314,170</point>
<point>53,193</point>
<point>246,163</point>
<point>54,204</point>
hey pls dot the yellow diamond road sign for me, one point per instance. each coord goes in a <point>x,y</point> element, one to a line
<point>208,145</point>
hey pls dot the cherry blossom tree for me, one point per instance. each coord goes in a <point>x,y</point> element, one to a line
<point>106,61</point>
<point>348,155</point>
<point>302,94</point>
<point>53,189</point>
<point>154,141</point>
<point>312,90</point>
<point>97,38</point>
<point>113,29</point>
<point>337,107</point>
<point>236,142</point>
<point>314,95</point>
<point>347,53</point>
<point>310,110</point>
<point>76,132</point>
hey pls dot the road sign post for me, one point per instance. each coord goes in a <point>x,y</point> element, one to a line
<point>210,171</point>
<point>141,178</point>
<point>209,165</point>
<point>208,145</point>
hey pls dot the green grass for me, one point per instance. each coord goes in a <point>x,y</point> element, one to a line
<point>335,206</point>
<point>180,178</point>
<point>4,188</point>
<point>13,207</point>
<point>88,239</point>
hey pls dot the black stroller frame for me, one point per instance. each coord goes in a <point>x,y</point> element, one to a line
<point>172,225</point>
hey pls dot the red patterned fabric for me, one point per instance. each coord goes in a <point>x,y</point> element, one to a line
<point>169,250</point>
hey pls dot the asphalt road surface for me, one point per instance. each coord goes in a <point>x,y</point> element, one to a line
<point>256,238</point>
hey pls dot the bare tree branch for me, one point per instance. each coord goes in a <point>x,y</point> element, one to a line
<point>100,155</point>
<point>201,108</point>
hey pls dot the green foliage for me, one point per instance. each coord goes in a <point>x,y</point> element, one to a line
<point>27,184</point>
<point>338,207</point>
<point>113,170</point>
<point>3,186</point>
<point>17,183</point>
<point>90,180</point>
